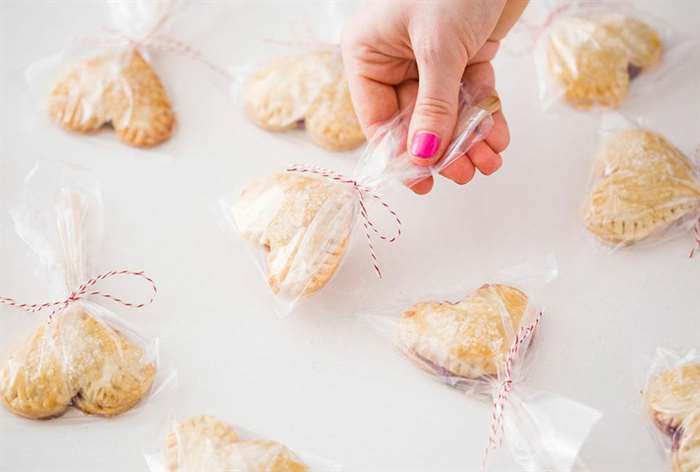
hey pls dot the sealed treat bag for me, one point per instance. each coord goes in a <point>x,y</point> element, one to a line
<point>299,222</point>
<point>644,189</point>
<point>593,54</point>
<point>78,353</point>
<point>206,444</point>
<point>671,399</point>
<point>108,80</point>
<point>480,341</point>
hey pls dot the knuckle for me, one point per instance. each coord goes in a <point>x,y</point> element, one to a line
<point>427,51</point>
<point>434,107</point>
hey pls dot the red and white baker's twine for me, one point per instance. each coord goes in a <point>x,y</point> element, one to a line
<point>522,337</point>
<point>539,30</point>
<point>361,192</point>
<point>158,43</point>
<point>83,291</point>
<point>696,235</point>
<point>696,228</point>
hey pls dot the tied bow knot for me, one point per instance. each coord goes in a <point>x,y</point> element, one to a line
<point>362,192</point>
<point>84,291</point>
<point>158,43</point>
<point>523,336</point>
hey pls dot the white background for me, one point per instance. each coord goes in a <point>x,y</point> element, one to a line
<point>322,381</point>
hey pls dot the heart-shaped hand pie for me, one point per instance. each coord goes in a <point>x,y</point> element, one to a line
<point>303,225</point>
<point>308,88</point>
<point>200,443</point>
<point>594,58</point>
<point>205,444</point>
<point>120,89</point>
<point>75,359</point>
<point>672,396</point>
<point>468,339</point>
<point>645,185</point>
<point>686,445</point>
<point>331,121</point>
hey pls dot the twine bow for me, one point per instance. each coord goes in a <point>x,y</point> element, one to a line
<point>84,291</point>
<point>537,30</point>
<point>158,43</point>
<point>523,336</point>
<point>362,192</point>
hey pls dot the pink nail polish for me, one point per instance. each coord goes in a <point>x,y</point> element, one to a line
<point>425,144</point>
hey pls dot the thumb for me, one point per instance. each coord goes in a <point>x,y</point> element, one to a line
<point>435,112</point>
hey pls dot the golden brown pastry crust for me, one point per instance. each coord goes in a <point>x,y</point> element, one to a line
<point>468,339</point>
<point>278,96</point>
<point>120,89</point>
<point>686,445</point>
<point>644,185</point>
<point>205,444</point>
<point>34,382</point>
<point>264,456</point>
<point>75,359</point>
<point>303,225</point>
<point>331,121</point>
<point>308,88</point>
<point>112,374</point>
<point>200,443</point>
<point>673,396</point>
<point>640,41</point>
<point>593,59</point>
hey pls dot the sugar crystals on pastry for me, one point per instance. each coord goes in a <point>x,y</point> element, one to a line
<point>673,395</point>
<point>259,455</point>
<point>301,223</point>
<point>119,89</point>
<point>309,89</point>
<point>200,443</point>
<point>467,339</point>
<point>686,445</point>
<point>644,185</point>
<point>206,444</point>
<point>75,359</point>
<point>594,58</point>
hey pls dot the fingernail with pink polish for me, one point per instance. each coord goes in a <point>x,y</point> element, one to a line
<point>425,144</point>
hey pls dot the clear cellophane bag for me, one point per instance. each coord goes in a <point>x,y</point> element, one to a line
<point>299,223</point>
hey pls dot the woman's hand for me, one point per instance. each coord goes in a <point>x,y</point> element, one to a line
<point>400,52</point>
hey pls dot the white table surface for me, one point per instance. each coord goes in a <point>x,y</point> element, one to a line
<point>321,381</point>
